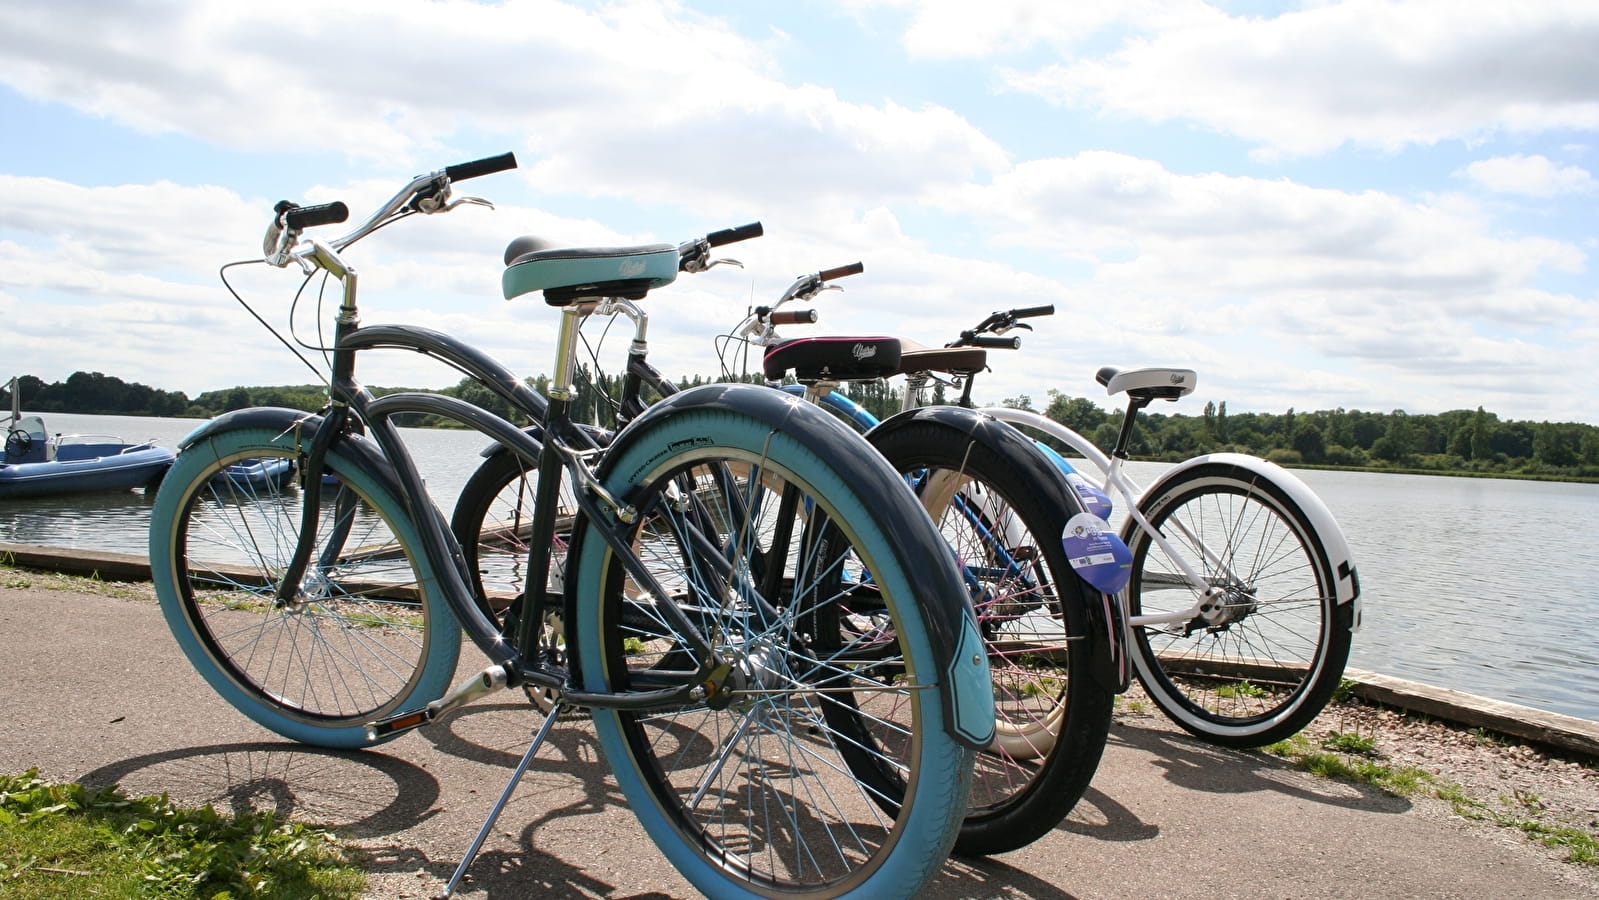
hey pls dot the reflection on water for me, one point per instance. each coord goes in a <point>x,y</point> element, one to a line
<point>121,521</point>
<point>110,521</point>
<point>1482,585</point>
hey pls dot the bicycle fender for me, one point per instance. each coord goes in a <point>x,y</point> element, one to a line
<point>284,421</point>
<point>1321,518</point>
<point>1107,618</point>
<point>964,683</point>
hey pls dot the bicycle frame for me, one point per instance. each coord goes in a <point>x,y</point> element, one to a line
<point>639,373</point>
<point>759,329</point>
<point>560,456</point>
<point>1117,480</point>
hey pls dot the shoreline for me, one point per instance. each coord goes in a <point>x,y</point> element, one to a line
<point>1566,734</point>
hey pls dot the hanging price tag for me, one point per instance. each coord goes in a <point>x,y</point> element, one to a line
<point>1097,553</point>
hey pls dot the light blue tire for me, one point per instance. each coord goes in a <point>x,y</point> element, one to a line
<point>367,636</point>
<point>757,799</point>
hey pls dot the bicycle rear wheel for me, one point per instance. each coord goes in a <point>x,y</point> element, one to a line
<point>365,636</point>
<point>1053,716</point>
<point>1264,661</point>
<point>749,794</point>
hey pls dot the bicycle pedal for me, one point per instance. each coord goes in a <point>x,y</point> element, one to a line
<point>491,679</point>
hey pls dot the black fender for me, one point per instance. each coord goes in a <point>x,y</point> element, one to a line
<point>963,681</point>
<point>1107,617</point>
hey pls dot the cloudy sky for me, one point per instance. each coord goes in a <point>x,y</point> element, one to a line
<point>1358,204</point>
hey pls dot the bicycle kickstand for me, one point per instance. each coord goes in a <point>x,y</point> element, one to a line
<point>505,797</point>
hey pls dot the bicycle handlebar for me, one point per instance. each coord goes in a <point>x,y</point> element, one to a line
<point>793,317</point>
<point>297,217</point>
<point>428,193</point>
<point>695,255</point>
<point>486,166</point>
<point>994,343</point>
<point>1029,312</point>
<point>854,268</point>
<point>733,235</point>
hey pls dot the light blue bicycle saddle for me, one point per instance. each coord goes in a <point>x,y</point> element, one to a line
<point>572,274</point>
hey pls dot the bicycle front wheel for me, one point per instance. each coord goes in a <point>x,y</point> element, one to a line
<point>1268,649</point>
<point>366,634</point>
<point>805,593</point>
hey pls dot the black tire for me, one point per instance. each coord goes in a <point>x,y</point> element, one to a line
<point>1269,657</point>
<point>491,521</point>
<point>1053,715</point>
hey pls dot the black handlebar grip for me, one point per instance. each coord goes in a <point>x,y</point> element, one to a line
<point>311,216</point>
<point>733,235</point>
<point>1031,311</point>
<point>996,343</point>
<point>488,166</point>
<point>851,269</point>
<point>794,317</point>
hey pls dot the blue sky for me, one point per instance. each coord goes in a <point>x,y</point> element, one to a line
<point>1356,204</point>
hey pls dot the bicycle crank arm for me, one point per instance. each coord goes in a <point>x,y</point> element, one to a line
<point>488,681</point>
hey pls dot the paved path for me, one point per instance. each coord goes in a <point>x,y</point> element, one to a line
<point>94,688</point>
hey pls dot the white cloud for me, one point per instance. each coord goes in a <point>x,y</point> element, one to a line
<point>1532,176</point>
<point>638,100</point>
<point>1279,292</point>
<point>1187,265</point>
<point>1220,235</point>
<point>1363,72</point>
<point>797,150</point>
<point>950,29</point>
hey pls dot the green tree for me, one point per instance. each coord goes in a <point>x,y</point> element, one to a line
<point>1310,443</point>
<point>1398,444</point>
<point>1077,413</point>
<point>1557,444</point>
<point>1513,439</point>
<point>1482,434</point>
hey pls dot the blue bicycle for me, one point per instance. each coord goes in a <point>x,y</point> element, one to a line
<point>736,569</point>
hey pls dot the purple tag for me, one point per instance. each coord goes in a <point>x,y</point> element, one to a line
<point>1097,553</point>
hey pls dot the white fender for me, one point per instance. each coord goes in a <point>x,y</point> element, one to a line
<point>1321,518</point>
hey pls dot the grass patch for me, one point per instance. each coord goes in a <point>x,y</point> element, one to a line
<point>1491,738</point>
<point>1351,742</point>
<point>1581,846</point>
<point>22,579</point>
<point>69,841</point>
<point>1348,761</point>
<point>1240,689</point>
<point>1400,781</point>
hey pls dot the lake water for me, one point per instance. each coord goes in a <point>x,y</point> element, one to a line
<point>1489,586</point>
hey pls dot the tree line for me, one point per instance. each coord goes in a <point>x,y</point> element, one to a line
<point>1462,440</point>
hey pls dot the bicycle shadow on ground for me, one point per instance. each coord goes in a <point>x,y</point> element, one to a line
<point>1193,764</point>
<point>385,803</point>
<point>363,794</point>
